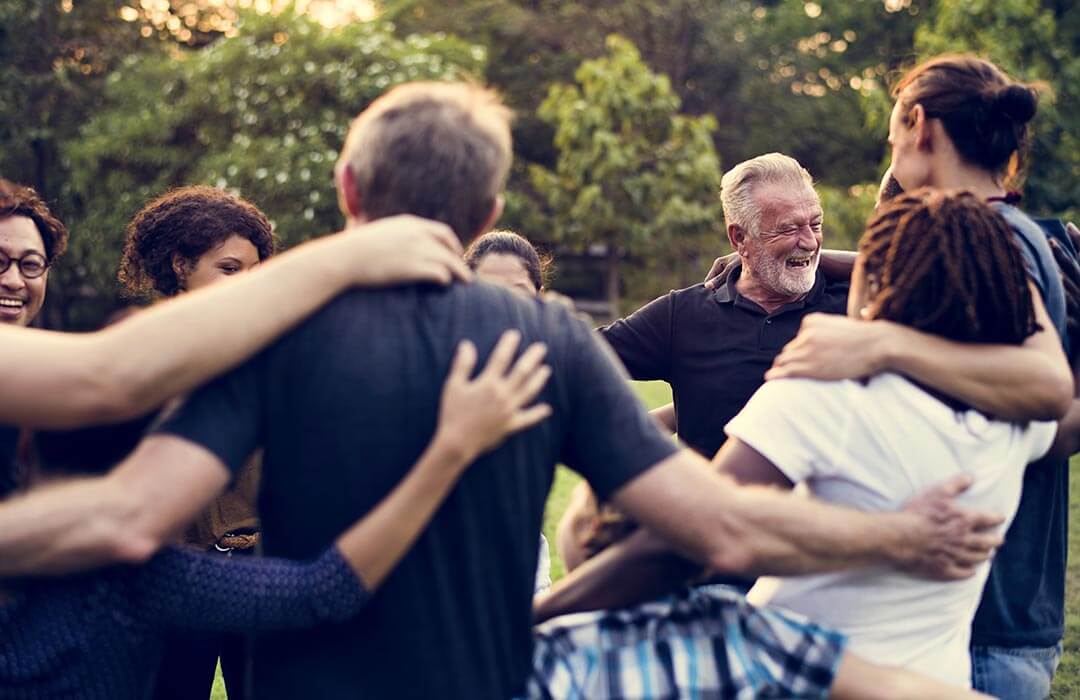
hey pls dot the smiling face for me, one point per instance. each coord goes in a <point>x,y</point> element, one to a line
<point>508,271</point>
<point>20,298</point>
<point>783,256</point>
<point>236,254</point>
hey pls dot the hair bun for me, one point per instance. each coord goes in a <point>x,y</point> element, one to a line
<point>1018,102</point>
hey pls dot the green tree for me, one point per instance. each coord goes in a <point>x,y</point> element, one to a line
<point>1034,40</point>
<point>632,174</point>
<point>263,113</point>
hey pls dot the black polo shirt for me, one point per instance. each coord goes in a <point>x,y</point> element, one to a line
<point>344,405</point>
<point>713,347</point>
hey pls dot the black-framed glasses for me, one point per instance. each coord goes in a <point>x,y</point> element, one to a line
<point>31,265</point>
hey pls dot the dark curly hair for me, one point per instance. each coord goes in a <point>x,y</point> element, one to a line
<point>946,263</point>
<point>537,266</point>
<point>16,200</point>
<point>188,221</point>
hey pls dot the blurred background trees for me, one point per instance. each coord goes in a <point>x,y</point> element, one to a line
<point>618,142</point>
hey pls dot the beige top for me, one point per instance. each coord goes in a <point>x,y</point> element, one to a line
<point>236,509</point>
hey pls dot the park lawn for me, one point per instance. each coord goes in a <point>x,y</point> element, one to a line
<point>653,394</point>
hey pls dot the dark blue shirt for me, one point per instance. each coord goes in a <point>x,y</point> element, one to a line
<point>344,405</point>
<point>99,636</point>
<point>1023,603</point>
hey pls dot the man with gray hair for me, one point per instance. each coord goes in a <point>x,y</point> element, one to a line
<point>713,346</point>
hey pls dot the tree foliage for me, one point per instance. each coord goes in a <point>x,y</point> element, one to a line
<point>263,113</point>
<point>632,173</point>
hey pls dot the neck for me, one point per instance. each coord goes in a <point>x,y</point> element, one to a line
<point>956,175</point>
<point>751,287</point>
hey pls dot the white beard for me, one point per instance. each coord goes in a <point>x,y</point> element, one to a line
<point>777,276</point>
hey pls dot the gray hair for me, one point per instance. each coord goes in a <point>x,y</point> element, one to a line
<point>736,187</point>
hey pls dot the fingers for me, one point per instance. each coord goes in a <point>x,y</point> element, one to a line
<point>499,360</point>
<point>1074,234</point>
<point>464,361</point>
<point>533,385</point>
<point>529,417</point>
<point>446,236</point>
<point>526,364</point>
<point>714,272</point>
<point>951,487</point>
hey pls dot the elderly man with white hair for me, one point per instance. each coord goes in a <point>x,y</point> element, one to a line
<point>713,346</point>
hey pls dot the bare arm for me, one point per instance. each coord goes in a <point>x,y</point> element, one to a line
<point>125,516</point>
<point>665,416</point>
<point>711,520</point>
<point>131,367</point>
<point>1027,382</point>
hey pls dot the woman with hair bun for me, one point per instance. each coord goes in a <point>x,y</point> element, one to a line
<point>960,122</point>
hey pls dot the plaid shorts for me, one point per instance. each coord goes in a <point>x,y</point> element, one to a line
<point>704,643</point>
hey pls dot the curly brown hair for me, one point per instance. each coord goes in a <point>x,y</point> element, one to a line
<point>946,263</point>
<point>188,221</point>
<point>17,200</point>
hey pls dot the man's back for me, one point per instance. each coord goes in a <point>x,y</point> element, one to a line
<point>344,406</point>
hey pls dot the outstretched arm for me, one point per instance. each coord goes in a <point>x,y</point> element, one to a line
<point>194,591</point>
<point>1027,382</point>
<point>66,380</point>
<point>710,519</point>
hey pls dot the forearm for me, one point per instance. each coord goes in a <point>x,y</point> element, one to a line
<point>638,569</point>
<point>70,527</point>
<point>665,416</point>
<point>375,544</point>
<point>136,365</point>
<point>1006,381</point>
<point>785,534</point>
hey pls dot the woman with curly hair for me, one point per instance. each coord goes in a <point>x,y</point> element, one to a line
<point>184,240</point>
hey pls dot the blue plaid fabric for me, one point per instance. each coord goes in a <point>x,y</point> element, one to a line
<point>706,643</point>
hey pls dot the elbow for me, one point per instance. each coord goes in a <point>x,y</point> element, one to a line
<point>732,555</point>
<point>1054,398</point>
<point>115,527</point>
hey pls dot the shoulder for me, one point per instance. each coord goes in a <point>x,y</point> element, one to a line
<point>797,395</point>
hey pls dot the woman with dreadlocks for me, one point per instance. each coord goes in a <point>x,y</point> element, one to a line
<point>945,264</point>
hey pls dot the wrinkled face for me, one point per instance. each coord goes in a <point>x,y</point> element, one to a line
<point>20,298</point>
<point>235,254</point>
<point>508,271</point>
<point>783,255</point>
<point>910,164</point>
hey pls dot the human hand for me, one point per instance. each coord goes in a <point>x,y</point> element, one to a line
<point>475,415</point>
<point>830,347</point>
<point>401,249</point>
<point>945,541</point>
<point>718,272</point>
<point>1070,277</point>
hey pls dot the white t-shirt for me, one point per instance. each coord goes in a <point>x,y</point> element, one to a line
<point>874,446</point>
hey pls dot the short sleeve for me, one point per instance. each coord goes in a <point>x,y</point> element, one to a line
<point>610,437</point>
<point>1040,435</point>
<point>797,424</point>
<point>187,590</point>
<point>225,416</point>
<point>642,340</point>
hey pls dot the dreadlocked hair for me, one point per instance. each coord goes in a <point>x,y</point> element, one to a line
<point>946,263</point>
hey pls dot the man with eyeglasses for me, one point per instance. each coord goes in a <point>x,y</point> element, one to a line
<point>31,238</point>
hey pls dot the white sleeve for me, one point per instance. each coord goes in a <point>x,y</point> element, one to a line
<point>1040,436</point>
<point>797,424</point>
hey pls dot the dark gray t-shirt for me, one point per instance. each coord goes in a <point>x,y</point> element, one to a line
<point>344,405</point>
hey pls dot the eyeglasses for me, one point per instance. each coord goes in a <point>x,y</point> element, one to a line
<point>31,265</point>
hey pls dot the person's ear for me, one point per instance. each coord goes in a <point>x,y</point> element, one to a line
<point>348,197</point>
<point>737,237</point>
<point>180,270</point>
<point>921,127</point>
<point>496,211</point>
